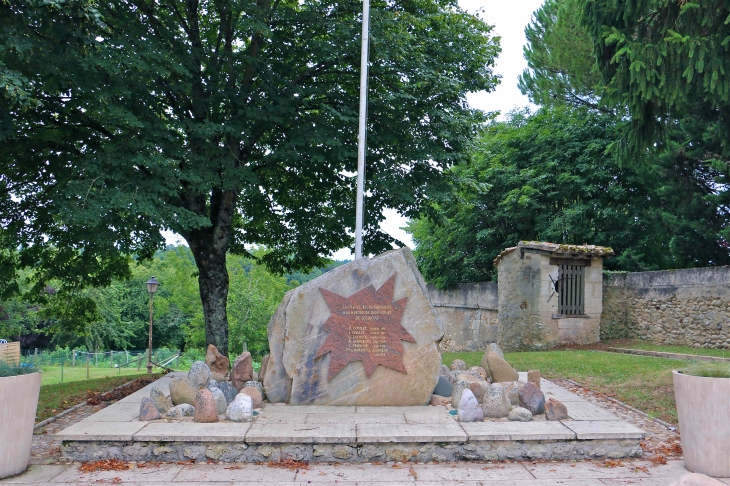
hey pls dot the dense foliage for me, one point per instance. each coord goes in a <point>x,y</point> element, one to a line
<point>228,122</point>
<point>122,309</point>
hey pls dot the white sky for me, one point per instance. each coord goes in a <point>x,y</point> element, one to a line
<point>509,20</point>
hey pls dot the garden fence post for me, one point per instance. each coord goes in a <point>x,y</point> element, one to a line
<point>73,358</point>
<point>111,359</point>
<point>62,370</point>
<point>139,361</point>
<point>87,365</point>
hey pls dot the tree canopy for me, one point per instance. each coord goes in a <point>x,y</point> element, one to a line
<point>229,122</point>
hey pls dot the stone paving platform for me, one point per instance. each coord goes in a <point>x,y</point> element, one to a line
<point>588,473</point>
<point>350,434</point>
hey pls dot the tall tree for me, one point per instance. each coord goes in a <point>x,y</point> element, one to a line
<point>230,122</point>
<point>548,177</point>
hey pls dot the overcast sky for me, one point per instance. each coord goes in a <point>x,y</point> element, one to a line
<point>509,20</point>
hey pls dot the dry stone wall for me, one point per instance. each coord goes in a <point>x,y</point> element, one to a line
<point>469,315</point>
<point>688,307</point>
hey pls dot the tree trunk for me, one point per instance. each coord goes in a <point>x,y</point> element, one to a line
<point>213,283</point>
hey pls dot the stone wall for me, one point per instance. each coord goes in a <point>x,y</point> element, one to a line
<point>688,307</point>
<point>469,315</point>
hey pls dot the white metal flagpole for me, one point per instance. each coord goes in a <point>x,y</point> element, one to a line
<point>361,136</point>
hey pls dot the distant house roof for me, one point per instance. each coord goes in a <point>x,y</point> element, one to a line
<point>557,249</point>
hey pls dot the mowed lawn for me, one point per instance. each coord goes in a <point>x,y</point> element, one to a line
<point>52,374</point>
<point>640,381</point>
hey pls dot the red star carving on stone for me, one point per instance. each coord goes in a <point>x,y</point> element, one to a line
<point>365,326</point>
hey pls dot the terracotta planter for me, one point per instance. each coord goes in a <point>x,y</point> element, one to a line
<point>18,403</point>
<point>703,408</point>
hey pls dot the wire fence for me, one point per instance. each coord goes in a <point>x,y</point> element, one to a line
<point>65,365</point>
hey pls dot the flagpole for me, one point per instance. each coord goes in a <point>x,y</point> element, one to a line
<point>361,135</point>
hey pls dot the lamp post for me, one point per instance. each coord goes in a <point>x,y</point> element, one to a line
<point>152,284</point>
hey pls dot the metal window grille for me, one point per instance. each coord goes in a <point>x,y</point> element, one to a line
<point>571,289</point>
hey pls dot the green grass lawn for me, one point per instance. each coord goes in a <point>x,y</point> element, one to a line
<point>640,381</point>
<point>56,398</point>
<point>52,374</point>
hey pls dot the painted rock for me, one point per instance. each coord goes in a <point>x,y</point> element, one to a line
<point>217,363</point>
<point>182,390</point>
<point>364,333</point>
<point>205,407</point>
<point>555,410</point>
<point>255,395</point>
<point>533,376</point>
<point>519,414</point>
<point>180,411</point>
<point>242,371</point>
<point>531,398</point>
<point>148,411</point>
<point>199,374</point>
<point>240,409</point>
<point>469,409</point>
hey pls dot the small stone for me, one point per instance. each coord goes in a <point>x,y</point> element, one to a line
<point>205,407</point>
<point>255,395</point>
<point>695,479</point>
<point>495,404</point>
<point>519,414</point>
<point>217,362</point>
<point>453,376</point>
<point>469,409</point>
<point>444,370</point>
<point>438,401</point>
<point>229,391</point>
<point>257,385</point>
<point>220,400</point>
<point>199,374</point>
<point>555,410</point>
<point>494,348</point>
<point>217,376</point>
<point>160,400</point>
<point>476,385</point>
<point>148,411</point>
<point>500,369</point>
<point>510,389</point>
<point>458,365</point>
<point>180,411</point>
<point>242,371</point>
<point>531,398</point>
<point>182,390</point>
<point>240,409</point>
<point>533,376</point>
<point>213,383</point>
<point>479,372</point>
<point>443,387</point>
<point>459,388</point>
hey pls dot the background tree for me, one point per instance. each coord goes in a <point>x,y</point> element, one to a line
<point>548,177</point>
<point>229,123</point>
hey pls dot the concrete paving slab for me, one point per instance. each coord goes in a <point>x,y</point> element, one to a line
<point>357,418</point>
<point>440,432</point>
<point>380,410</point>
<point>562,395</point>
<point>470,472</point>
<point>116,412</point>
<point>638,481</point>
<point>193,432</point>
<point>301,433</point>
<point>88,430</point>
<point>582,470</point>
<point>164,472</point>
<point>36,474</point>
<point>588,411</point>
<point>291,409</point>
<point>330,473</point>
<point>439,415</point>
<point>604,429</point>
<point>250,473</point>
<point>517,431</point>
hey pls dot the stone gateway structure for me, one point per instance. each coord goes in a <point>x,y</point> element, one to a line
<point>364,333</point>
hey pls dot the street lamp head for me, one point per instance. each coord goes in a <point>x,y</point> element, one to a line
<point>152,284</point>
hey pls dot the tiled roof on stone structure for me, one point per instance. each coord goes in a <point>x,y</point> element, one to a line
<point>559,249</point>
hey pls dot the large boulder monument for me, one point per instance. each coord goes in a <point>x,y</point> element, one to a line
<point>364,333</point>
